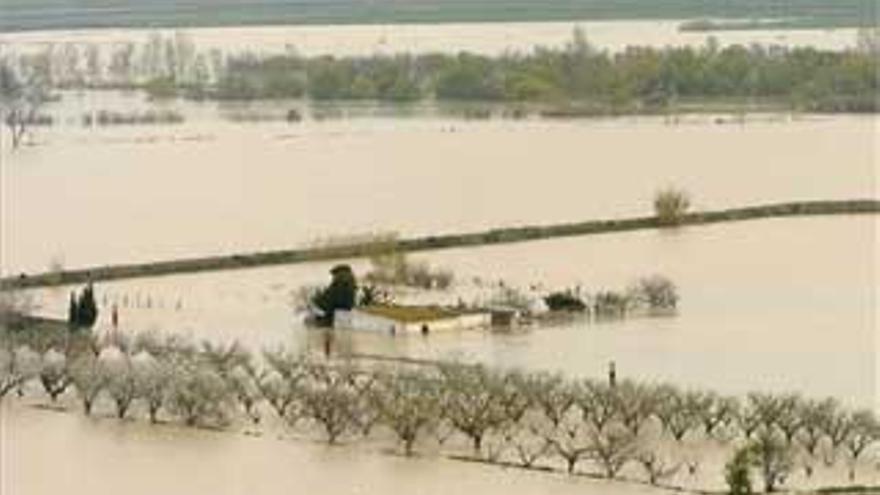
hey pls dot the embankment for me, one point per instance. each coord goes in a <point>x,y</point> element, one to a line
<point>483,238</point>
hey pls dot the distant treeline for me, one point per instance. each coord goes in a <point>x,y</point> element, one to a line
<point>367,248</point>
<point>571,80</point>
<point>639,79</point>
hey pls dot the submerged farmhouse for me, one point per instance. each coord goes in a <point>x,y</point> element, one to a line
<point>393,319</point>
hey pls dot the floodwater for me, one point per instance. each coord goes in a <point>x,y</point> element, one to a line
<point>785,304</point>
<point>84,196</point>
<point>781,305</point>
<point>50,452</point>
<point>486,38</point>
<point>773,304</point>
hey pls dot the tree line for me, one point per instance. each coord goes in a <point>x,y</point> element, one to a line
<point>638,79</point>
<point>516,418</point>
<point>572,80</point>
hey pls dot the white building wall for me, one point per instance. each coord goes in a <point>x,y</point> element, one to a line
<point>363,321</point>
<point>358,320</point>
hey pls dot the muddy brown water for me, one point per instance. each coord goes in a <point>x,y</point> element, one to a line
<point>772,304</point>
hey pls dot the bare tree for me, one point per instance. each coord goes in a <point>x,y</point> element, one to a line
<point>836,424</point>
<point>597,403</point>
<point>670,205</point>
<point>20,101</point>
<point>551,394</point>
<point>121,379</point>
<point>17,366</point>
<point>471,401</point>
<point>789,416</point>
<point>657,467</point>
<point>655,292</point>
<point>571,439</point>
<point>678,411</point>
<point>612,448</point>
<point>714,411</point>
<point>243,381</point>
<point>636,403</point>
<point>364,384</point>
<point>408,404</point>
<point>280,385</point>
<point>89,379</point>
<point>529,444</point>
<point>198,394</point>
<point>773,456</point>
<point>54,374</point>
<point>153,380</point>
<point>332,405</point>
<point>513,401</point>
<point>759,410</point>
<point>224,357</point>
<point>865,431</point>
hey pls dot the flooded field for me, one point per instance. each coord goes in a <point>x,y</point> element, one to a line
<point>485,38</point>
<point>768,305</point>
<point>211,186</point>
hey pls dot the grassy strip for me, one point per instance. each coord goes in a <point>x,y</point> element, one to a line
<point>484,238</point>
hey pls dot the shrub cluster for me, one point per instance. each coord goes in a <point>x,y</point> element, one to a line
<point>149,117</point>
<point>652,294</point>
<point>670,206</point>
<point>392,267</point>
<point>510,417</point>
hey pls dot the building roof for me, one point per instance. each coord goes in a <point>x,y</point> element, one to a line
<point>411,314</point>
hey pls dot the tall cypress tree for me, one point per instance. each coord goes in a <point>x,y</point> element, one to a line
<point>73,311</point>
<point>87,309</point>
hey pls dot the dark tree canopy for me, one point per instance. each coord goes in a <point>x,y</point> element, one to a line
<point>83,310</point>
<point>564,301</point>
<point>340,294</point>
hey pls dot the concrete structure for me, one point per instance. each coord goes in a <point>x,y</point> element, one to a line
<point>410,319</point>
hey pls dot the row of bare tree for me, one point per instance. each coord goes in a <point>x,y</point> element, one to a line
<point>511,417</point>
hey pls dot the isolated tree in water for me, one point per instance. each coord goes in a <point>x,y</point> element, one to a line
<point>340,294</point>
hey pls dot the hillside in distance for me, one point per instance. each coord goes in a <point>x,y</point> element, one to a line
<point>20,15</point>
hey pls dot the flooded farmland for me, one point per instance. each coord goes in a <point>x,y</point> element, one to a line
<point>211,186</point>
<point>773,305</point>
<point>750,293</point>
